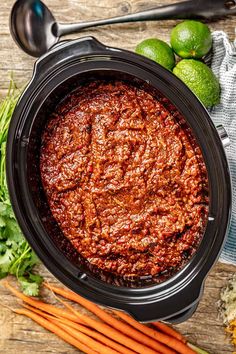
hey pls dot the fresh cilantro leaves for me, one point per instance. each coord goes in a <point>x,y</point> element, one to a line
<point>16,256</point>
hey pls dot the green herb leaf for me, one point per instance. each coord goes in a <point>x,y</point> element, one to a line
<point>16,256</point>
<point>30,286</point>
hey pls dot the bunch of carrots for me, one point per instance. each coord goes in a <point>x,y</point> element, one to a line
<point>106,335</point>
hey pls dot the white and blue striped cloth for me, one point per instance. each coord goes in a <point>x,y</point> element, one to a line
<point>223,63</point>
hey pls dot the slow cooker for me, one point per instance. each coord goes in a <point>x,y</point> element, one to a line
<point>55,74</point>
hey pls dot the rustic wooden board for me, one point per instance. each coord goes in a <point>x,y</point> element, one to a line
<point>18,334</point>
<point>124,36</point>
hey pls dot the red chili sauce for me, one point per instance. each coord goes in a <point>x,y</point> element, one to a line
<point>124,179</point>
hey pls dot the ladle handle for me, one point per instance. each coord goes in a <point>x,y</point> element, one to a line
<point>181,10</point>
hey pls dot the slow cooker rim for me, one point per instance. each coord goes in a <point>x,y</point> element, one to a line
<point>42,103</point>
<point>9,154</point>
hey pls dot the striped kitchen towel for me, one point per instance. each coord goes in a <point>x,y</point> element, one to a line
<point>223,63</point>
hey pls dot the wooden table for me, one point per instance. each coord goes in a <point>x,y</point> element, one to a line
<point>18,334</point>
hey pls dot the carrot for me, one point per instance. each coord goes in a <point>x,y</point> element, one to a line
<point>174,343</point>
<point>44,314</point>
<point>120,348</point>
<point>169,330</point>
<point>99,326</point>
<point>101,348</point>
<point>113,333</point>
<point>56,330</point>
<point>85,330</point>
<point>42,305</point>
<point>106,317</point>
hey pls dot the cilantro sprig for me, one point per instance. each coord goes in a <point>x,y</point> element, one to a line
<point>16,256</point>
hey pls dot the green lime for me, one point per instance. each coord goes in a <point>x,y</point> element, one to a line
<point>191,39</point>
<point>200,79</point>
<point>158,51</point>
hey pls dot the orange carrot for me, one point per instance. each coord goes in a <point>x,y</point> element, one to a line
<point>106,317</point>
<point>43,306</point>
<point>44,314</point>
<point>169,330</point>
<point>56,330</point>
<point>83,329</point>
<point>99,326</point>
<point>120,348</point>
<point>101,348</point>
<point>113,333</point>
<point>174,343</point>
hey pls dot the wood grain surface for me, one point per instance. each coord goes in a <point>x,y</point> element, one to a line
<point>20,335</point>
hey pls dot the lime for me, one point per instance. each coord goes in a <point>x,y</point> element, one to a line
<point>191,39</point>
<point>200,79</point>
<point>158,51</point>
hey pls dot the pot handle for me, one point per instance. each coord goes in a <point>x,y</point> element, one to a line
<point>82,46</point>
<point>180,306</point>
<point>223,135</point>
<point>67,50</point>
